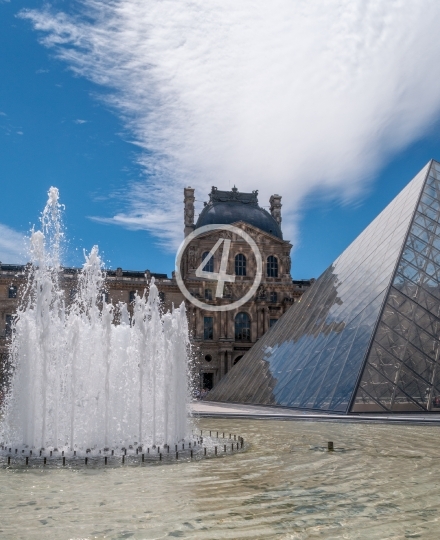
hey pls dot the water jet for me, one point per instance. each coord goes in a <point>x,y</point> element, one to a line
<point>79,380</point>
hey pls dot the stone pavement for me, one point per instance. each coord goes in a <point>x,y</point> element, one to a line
<point>210,409</point>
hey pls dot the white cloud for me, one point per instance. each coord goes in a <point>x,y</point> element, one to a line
<point>79,121</point>
<point>12,246</point>
<point>295,97</point>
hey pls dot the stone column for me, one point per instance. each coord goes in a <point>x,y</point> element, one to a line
<point>221,356</point>
<point>194,322</point>
<point>228,359</point>
<point>188,212</point>
<point>265,319</point>
<point>260,315</point>
<point>199,323</point>
<point>226,321</point>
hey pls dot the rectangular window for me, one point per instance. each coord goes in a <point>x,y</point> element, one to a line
<point>131,296</point>
<point>273,297</point>
<point>208,328</point>
<point>242,327</point>
<point>240,265</point>
<point>12,293</point>
<point>272,266</point>
<point>207,381</point>
<point>272,322</point>
<point>209,266</point>
<point>208,294</point>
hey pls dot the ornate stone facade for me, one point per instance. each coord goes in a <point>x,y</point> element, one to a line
<point>220,338</point>
<point>275,207</point>
<point>188,210</point>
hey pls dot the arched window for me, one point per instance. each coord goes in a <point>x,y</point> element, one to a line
<point>272,266</point>
<point>273,297</point>
<point>242,327</point>
<point>240,265</point>
<point>209,266</point>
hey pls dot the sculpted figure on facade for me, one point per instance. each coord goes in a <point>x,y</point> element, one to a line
<point>227,291</point>
<point>275,208</point>
<point>261,292</point>
<point>287,262</point>
<point>188,210</point>
<point>192,257</point>
<point>189,215</point>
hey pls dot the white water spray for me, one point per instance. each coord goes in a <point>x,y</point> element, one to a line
<point>78,380</point>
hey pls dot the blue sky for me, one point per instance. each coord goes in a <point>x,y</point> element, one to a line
<point>211,95</point>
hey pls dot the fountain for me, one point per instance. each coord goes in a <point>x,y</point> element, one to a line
<point>81,384</point>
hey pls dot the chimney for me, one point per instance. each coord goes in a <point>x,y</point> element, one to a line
<point>275,208</point>
<point>188,212</point>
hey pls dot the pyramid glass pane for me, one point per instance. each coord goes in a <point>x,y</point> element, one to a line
<point>409,325</point>
<point>314,356</point>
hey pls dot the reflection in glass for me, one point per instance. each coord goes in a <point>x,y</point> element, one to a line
<point>365,336</point>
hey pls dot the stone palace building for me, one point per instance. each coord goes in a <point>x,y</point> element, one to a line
<point>220,338</point>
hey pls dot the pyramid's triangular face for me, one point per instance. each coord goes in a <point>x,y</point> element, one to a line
<point>402,370</point>
<point>365,336</point>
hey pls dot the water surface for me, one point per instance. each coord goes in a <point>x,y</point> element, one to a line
<point>382,481</point>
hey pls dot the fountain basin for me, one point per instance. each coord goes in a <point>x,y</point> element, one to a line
<point>195,448</point>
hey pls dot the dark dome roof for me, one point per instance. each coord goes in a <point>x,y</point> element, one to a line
<point>226,207</point>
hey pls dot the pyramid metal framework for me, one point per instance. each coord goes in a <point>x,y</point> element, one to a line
<point>365,336</point>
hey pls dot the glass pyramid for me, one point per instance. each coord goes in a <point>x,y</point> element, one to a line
<point>364,338</point>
